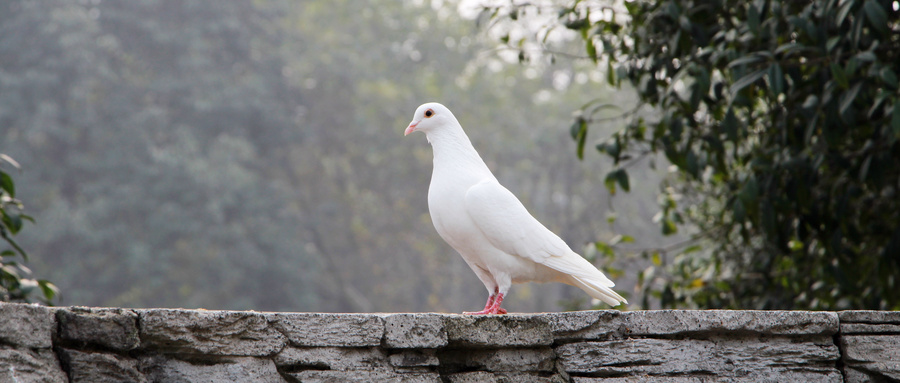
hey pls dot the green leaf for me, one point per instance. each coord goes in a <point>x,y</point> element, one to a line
<point>7,184</point>
<point>745,81</point>
<point>795,245</point>
<point>750,191</point>
<point>866,56</point>
<point>749,59</point>
<point>730,125</point>
<point>668,227</point>
<point>738,211</point>
<point>49,290</point>
<point>837,72</point>
<point>691,249</point>
<point>888,76</point>
<point>848,97</point>
<point>13,222</point>
<point>610,182</point>
<point>776,79</point>
<point>753,19</point>
<point>604,248</point>
<point>656,259</point>
<point>591,49</point>
<point>579,133</point>
<point>895,119</point>
<point>877,16</point>
<point>621,239</point>
<point>610,73</point>
<point>622,179</point>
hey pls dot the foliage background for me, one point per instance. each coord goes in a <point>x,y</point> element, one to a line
<point>782,123</point>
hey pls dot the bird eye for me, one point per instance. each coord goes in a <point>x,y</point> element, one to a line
<point>429,113</point>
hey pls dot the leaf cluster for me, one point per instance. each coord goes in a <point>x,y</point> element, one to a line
<point>15,286</point>
<point>783,121</point>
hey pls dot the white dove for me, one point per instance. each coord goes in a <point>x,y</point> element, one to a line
<point>488,226</point>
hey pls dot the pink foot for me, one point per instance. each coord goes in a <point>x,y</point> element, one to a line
<point>492,306</point>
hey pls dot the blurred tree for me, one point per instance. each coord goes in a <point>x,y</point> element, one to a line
<point>783,120</point>
<point>14,284</point>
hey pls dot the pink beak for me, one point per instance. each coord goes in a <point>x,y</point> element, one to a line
<point>411,128</point>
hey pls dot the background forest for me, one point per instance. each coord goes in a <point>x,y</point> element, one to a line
<point>249,155</point>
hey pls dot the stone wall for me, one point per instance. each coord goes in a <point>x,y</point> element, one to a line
<point>77,344</point>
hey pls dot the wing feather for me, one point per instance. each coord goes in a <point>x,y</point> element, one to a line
<point>511,228</point>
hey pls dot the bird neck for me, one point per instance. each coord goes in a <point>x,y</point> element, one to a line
<point>453,149</point>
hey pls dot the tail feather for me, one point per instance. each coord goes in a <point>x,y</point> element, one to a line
<point>598,290</point>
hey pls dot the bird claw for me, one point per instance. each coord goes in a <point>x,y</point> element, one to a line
<point>487,311</point>
<point>492,306</point>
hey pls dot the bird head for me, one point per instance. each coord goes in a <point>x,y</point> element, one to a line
<point>429,116</point>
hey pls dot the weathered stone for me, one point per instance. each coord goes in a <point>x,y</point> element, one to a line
<point>670,322</point>
<point>501,377</point>
<point>414,331</point>
<point>776,376</point>
<point>111,328</point>
<point>30,366</point>
<point>388,376</point>
<point>724,357</point>
<point>869,316</point>
<point>414,358</point>
<point>586,325</point>
<point>869,328</point>
<point>498,331</point>
<point>852,375</point>
<point>610,324</point>
<point>90,367</point>
<point>222,369</point>
<point>331,358</point>
<point>876,355</point>
<point>26,325</point>
<point>498,360</point>
<point>317,329</point>
<point>241,333</point>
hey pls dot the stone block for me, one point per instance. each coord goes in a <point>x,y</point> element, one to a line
<point>782,358</point>
<point>875,355</point>
<point>240,333</point>
<point>869,316</point>
<point>319,330</point>
<point>498,360</point>
<point>115,329</point>
<point>501,377</point>
<point>331,358</point>
<point>90,367</point>
<point>869,328</point>
<point>498,331</point>
<point>414,331</point>
<point>586,325</point>
<point>26,325</point>
<point>760,377</point>
<point>672,322</point>
<point>30,366</point>
<point>222,369</point>
<point>414,358</point>
<point>387,376</point>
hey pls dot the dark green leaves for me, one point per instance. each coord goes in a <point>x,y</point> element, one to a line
<point>877,16</point>
<point>783,125</point>
<point>6,183</point>
<point>14,285</point>
<point>745,81</point>
<point>618,176</point>
<point>578,130</point>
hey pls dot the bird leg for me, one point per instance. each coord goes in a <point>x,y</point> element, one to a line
<point>492,306</point>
